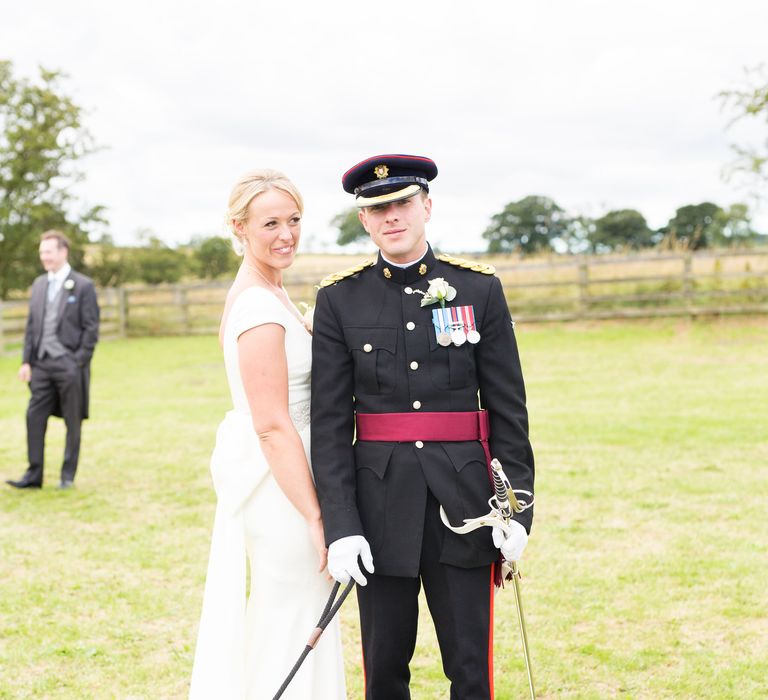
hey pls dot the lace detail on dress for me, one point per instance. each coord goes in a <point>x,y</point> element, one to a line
<point>299,413</point>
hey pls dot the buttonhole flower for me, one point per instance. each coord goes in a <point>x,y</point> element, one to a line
<point>309,315</point>
<point>438,291</point>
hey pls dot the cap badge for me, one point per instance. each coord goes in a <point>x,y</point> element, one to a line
<point>381,171</point>
<point>387,273</point>
<point>422,269</point>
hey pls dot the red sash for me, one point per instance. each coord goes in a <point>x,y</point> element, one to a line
<point>428,427</point>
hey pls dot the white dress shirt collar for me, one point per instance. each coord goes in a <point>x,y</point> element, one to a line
<point>404,265</point>
<point>61,275</point>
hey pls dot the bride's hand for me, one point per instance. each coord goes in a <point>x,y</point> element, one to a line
<point>317,536</point>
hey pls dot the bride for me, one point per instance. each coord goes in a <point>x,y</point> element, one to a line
<point>267,509</point>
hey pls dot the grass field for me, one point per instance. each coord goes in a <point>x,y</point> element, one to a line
<point>645,576</point>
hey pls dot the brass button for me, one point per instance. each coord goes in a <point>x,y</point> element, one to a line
<point>417,405</point>
<point>414,365</point>
<point>367,347</point>
<point>410,325</point>
<point>419,444</point>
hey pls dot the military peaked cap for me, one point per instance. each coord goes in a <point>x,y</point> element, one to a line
<point>388,178</point>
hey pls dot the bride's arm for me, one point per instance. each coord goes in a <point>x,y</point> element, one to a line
<point>264,371</point>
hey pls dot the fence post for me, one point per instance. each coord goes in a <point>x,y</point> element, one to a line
<point>688,282</point>
<point>122,312</point>
<point>583,288</point>
<point>181,302</point>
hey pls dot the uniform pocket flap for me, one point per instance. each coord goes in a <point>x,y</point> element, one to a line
<point>462,453</point>
<point>374,456</point>
<point>368,339</point>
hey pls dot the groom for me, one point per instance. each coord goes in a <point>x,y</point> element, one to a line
<point>406,350</point>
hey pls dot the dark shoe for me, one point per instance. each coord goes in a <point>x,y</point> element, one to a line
<point>24,483</point>
<point>65,484</point>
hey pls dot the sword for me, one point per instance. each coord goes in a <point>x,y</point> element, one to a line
<point>502,504</point>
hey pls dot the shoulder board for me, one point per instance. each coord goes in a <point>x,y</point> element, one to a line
<point>338,276</point>
<point>483,268</point>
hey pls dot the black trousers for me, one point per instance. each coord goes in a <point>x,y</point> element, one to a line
<point>56,382</point>
<point>461,604</point>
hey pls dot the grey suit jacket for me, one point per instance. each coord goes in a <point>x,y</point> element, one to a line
<point>78,323</point>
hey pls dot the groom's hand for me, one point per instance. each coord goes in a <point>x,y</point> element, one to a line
<point>511,546</point>
<point>343,559</point>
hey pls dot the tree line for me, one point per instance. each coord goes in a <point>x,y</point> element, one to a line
<point>43,139</point>
<point>536,224</point>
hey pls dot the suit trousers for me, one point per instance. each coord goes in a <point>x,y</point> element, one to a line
<point>56,385</point>
<point>461,605</point>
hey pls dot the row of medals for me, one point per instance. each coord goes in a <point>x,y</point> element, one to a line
<point>458,336</point>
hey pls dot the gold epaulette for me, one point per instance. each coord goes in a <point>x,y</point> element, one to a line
<point>483,268</point>
<point>338,276</point>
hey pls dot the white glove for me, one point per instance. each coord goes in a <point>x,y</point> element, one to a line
<point>342,559</point>
<point>511,547</point>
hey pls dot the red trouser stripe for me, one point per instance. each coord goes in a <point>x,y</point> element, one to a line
<point>492,594</point>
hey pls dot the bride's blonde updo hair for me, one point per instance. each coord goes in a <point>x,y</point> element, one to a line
<point>249,186</point>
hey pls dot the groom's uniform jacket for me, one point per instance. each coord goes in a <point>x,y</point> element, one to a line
<point>375,350</point>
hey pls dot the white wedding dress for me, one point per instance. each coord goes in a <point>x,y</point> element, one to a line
<point>245,650</point>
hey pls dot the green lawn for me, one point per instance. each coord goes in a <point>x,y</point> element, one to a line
<point>645,576</point>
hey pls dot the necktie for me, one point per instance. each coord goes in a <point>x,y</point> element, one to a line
<point>53,287</point>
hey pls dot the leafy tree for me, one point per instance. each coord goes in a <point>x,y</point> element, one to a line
<point>156,262</point>
<point>41,140</point>
<point>621,229</point>
<point>214,257</point>
<point>706,225</point>
<point>532,224</point>
<point>696,225</point>
<point>750,102</point>
<point>350,228</point>
<point>108,265</point>
<point>735,227</point>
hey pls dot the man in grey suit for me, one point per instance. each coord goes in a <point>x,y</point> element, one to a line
<point>61,333</point>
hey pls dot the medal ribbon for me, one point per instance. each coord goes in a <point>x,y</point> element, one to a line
<point>471,317</point>
<point>463,316</point>
<point>438,322</point>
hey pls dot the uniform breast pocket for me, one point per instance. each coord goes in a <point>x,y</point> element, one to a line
<point>451,367</point>
<point>373,352</point>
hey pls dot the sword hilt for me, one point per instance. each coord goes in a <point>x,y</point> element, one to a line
<point>506,499</point>
<point>503,489</point>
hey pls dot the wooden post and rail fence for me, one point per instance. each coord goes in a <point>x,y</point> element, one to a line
<point>707,283</point>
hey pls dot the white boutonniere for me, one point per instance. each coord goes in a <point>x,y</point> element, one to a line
<point>308,316</point>
<point>69,284</point>
<point>438,291</point>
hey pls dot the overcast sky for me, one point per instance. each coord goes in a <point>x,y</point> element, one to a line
<point>598,104</point>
